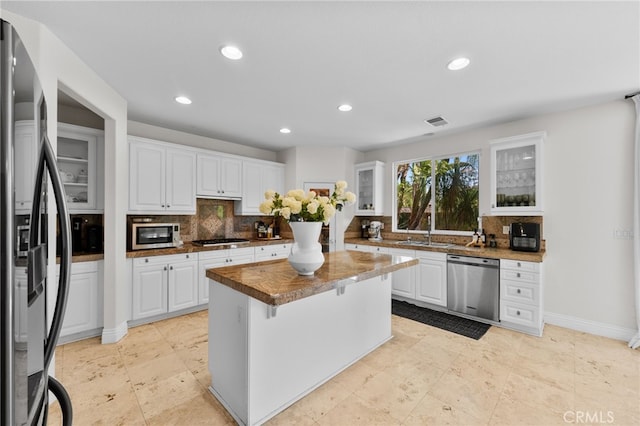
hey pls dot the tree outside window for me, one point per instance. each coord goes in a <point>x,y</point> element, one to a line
<point>438,194</point>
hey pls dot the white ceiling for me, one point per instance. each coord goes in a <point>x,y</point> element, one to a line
<point>388,59</point>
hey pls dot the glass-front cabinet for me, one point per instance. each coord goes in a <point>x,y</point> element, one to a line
<point>77,161</point>
<point>369,188</point>
<point>516,175</point>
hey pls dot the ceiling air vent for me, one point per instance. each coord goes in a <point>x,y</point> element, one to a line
<point>437,121</point>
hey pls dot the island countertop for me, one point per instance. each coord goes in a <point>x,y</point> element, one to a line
<point>276,282</point>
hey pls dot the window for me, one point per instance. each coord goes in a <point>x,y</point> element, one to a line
<point>437,194</point>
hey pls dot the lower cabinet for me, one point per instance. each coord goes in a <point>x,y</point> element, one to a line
<point>164,284</point>
<point>216,259</point>
<point>431,278</point>
<point>272,252</point>
<point>403,282</point>
<point>521,298</point>
<point>84,311</point>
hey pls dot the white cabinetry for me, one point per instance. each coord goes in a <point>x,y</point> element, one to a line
<point>404,280</point>
<point>84,311</point>
<point>369,188</point>
<point>81,165</point>
<point>516,175</point>
<point>357,247</point>
<point>521,298</point>
<point>431,278</point>
<point>162,178</point>
<point>218,258</point>
<point>164,284</point>
<point>257,178</point>
<point>272,252</point>
<point>219,177</point>
<point>26,151</point>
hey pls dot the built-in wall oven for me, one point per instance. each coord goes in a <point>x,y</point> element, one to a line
<point>154,235</point>
<point>473,286</point>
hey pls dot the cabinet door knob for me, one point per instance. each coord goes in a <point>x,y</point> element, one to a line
<point>518,274</point>
<point>187,256</point>
<point>165,268</point>
<point>518,313</point>
<point>519,265</point>
<point>519,291</point>
<point>146,261</point>
<point>171,268</point>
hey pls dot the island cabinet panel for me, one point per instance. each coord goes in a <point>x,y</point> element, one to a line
<point>263,359</point>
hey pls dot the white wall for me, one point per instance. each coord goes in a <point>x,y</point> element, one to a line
<point>59,68</point>
<point>588,170</point>
<point>167,135</point>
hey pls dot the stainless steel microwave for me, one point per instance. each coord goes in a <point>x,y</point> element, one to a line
<point>155,235</point>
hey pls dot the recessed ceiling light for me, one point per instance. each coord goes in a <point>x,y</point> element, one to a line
<point>458,64</point>
<point>285,130</point>
<point>345,108</point>
<point>231,52</point>
<point>183,100</point>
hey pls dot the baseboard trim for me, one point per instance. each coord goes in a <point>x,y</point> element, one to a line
<point>113,335</point>
<point>588,326</point>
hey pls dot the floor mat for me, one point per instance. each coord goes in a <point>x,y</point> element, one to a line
<point>463,326</point>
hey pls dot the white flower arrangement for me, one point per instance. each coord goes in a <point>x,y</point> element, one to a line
<point>298,206</point>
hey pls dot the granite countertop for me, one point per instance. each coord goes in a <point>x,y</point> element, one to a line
<point>190,248</point>
<point>492,253</point>
<point>276,282</point>
<point>84,257</point>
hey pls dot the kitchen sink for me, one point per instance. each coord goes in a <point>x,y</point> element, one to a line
<point>423,244</point>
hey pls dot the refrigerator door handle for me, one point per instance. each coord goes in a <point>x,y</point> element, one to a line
<point>47,159</point>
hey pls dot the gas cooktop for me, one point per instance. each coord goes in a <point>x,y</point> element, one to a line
<point>219,242</point>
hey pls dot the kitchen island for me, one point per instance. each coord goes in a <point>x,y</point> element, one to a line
<point>275,336</point>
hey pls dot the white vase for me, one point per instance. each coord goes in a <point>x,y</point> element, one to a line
<point>306,252</point>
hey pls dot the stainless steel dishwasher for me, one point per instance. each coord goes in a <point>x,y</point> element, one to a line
<point>473,286</point>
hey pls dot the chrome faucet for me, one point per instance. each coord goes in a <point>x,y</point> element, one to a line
<point>427,235</point>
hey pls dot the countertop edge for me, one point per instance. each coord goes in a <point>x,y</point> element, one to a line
<point>190,248</point>
<point>493,253</point>
<point>314,287</point>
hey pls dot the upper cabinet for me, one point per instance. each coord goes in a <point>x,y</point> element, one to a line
<point>26,151</point>
<point>516,175</point>
<point>257,178</point>
<point>369,188</point>
<point>81,166</point>
<point>219,177</point>
<point>162,179</point>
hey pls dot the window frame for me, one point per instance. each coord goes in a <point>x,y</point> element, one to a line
<point>394,215</point>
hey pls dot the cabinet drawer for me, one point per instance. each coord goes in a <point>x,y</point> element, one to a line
<point>519,265</point>
<point>517,313</point>
<point>520,292</point>
<point>378,249</point>
<point>508,274</point>
<point>431,255</point>
<point>357,247</point>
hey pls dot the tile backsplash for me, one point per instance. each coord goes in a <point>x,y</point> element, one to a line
<point>213,219</point>
<point>491,225</point>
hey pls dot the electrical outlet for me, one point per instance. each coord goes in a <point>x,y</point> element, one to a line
<point>505,230</point>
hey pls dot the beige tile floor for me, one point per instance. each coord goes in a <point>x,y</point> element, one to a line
<point>157,375</point>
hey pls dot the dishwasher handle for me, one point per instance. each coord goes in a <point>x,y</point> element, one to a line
<point>474,261</point>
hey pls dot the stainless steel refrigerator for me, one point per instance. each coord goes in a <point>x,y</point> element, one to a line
<point>28,333</point>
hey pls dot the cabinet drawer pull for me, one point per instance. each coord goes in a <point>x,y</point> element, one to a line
<point>519,291</point>
<point>518,313</point>
<point>187,256</point>
<point>146,261</point>
<point>518,274</point>
<point>519,265</point>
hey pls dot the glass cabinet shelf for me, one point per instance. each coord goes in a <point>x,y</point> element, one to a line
<point>516,175</point>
